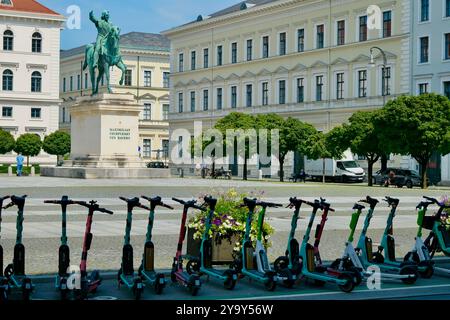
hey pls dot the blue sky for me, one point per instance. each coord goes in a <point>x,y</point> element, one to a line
<point>133,15</point>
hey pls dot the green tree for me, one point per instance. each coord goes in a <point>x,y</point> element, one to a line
<point>57,143</point>
<point>239,121</point>
<point>29,145</point>
<point>416,126</point>
<point>6,142</point>
<point>363,138</point>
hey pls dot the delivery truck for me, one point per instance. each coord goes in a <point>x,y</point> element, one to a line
<point>339,170</point>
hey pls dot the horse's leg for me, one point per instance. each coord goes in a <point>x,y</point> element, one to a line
<point>92,73</point>
<point>107,76</point>
<point>122,68</point>
<point>101,71</point>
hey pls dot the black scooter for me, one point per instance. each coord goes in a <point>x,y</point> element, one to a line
<point>4,287</point>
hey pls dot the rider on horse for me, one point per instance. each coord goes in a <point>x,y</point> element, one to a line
<point>104,28</point>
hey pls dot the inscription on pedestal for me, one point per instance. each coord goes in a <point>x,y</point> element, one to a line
<point>119,134</point>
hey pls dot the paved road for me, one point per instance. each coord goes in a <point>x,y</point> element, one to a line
<point>42,222</point>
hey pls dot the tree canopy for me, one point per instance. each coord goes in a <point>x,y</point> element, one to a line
<point>7,142</point>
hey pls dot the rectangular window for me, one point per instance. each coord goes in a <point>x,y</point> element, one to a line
<point>423,88</point>
<point>301,40</point>
<point>78,82</point>
<point>35,113</point>
<point>265,93</point>
<point>219,98</point>
<point>385,86</point>
<point>265,48</point>
<point>180,102</point>
<point>362,83</point>
<point>147,115</point>
<point>219,55</point>
<point>234,53</point>
<point>339,86</point>
<point>300,90</point>
<point>447,89</point>
<point>423,50</point>
<point>147,149</point>
<point>387,24</point>
<point>447,46</point>
<point>64,85</point>
<point>128,78</point>
<point>147,78</point>
<point>234,97</point>
<point>319,87</point>
<point>205,58</point>
<point>86,81</point>
<point>282,44</point>
<point>341,32</point>
<point>205,100</point>
<point>248,95</point>
<point>249,50</point>
<point>320,36</point>
<point>193,60</point>
<point>282,92</point>
<point>166,79</point>
<point>181,62</point>
<point>165,147</point>
<point>71,83</point>
<point>63,115</point>
<point>165,109</point>
<point>424,10</point>
<point>447,8</point>
<point>180,146</point>
<point>192,101</point>
<point>7,112</point>
<point>8,40</point>
<point>363,28</point>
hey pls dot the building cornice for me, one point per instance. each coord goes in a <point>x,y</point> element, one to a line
<point>32,15</point>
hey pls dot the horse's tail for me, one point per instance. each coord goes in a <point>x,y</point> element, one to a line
<point>87,55</point>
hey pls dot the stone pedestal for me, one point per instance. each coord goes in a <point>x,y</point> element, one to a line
<point>105,140</point>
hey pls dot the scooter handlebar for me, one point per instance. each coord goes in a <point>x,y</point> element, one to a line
<point>103,210</point>
<point>189,204</point>
<point>4,198</point>
<point>370,201</point>
<point>391,201</point>
<point>16,201</point>
<point>268,204</point>
<point>157,201</point>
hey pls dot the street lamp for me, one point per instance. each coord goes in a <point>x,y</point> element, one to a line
<point>384,78</point>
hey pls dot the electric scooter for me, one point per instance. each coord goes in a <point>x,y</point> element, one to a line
<point>248,267</point>
<point>89,282</point>
<point>147,269</point>
<point>178,275</point>
<point>311,267</point>
<point>4,287</point>
<point>438,239</point>
<point>64,250</point>
<point>351,260</point>
<point>204,264</point>
<point>126,275</point>
<point>406,273</point>
<point>15,272</point>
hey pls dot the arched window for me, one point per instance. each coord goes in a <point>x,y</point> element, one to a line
<point>36,82</point>
<point>7,80</point>
<point>8,40</point>
<point>36,42</point>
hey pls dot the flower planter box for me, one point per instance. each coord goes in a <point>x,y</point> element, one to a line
<point>222,253</point>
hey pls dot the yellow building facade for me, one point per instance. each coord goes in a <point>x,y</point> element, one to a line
<point>147,78</point>
<point>307,59</point>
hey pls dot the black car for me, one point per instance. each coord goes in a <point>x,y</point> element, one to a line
<point>157,165</point>
<point>403,177</point>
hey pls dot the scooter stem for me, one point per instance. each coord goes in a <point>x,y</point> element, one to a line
<point>261,217</point>
<point>83,264</point>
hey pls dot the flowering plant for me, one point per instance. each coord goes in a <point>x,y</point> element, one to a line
<point>445,220</point>
<point>229,220</point>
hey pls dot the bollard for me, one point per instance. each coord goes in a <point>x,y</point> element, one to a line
<point>10,171</point>
<point>181,172</point>
<point>260,174</point>
<point>33,171</point>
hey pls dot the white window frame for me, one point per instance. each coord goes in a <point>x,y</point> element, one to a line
<point>419,49</point>
<point>324,35</point>
<point>279,42</point>
<point>336,31</point>
<point>261,52</point>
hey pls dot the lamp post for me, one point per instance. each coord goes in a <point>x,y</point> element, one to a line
<point>384,78</point>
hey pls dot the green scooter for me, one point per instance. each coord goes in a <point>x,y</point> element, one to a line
<point>147,269</point>
<point>247,265</point>
<point>204,266</point>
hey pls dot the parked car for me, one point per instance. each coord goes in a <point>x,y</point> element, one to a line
<point>157,165</point>
<point>403,177</point>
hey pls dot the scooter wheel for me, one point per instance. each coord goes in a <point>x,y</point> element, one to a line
<point>9,270</point>
<point>193,266</point>
<point>3,295</point>
<point>356,274</point>
<point>349,284</point>
<point>428,273</point>
<point>230,283</point>
<point>409,270</point>
<point>286,273</point>
<point>158,285</point>
<point>378,257</point>
<point>271,283</point>
<point>281,263</point>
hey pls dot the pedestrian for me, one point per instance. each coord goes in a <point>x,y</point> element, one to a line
<point>302,176</point>
<point>19,161</point>
<point>390,180</point>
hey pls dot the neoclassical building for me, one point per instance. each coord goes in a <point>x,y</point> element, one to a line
<point>146,56</point>
<point>307,59</point>
<point>29,68</point>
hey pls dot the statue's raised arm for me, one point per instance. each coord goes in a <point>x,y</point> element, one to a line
<point>93,18</point>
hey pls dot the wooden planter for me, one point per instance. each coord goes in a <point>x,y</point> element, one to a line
<point>221,253</point>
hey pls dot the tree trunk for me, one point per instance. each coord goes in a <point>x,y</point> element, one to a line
<point>370,164</point>
<point>281,169</point>
<point>244,174</point>
<point>384,161</point>
<point>423,174</point>
<point>323,170</point>
<point>28,161</point>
